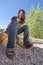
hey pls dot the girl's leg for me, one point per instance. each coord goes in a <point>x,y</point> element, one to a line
<point>26,36</point>
<point>12,35</point>
<point>26,33</point>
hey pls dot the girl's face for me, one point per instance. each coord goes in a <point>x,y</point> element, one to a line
<point>20,14</point>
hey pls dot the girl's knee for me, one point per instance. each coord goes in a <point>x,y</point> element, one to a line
<point>26,26</point>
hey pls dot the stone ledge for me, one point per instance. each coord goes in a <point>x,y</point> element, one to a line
<point>36,40</point>
<point>31,39</point>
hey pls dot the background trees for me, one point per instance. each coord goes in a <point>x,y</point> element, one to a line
<point>35,22</point>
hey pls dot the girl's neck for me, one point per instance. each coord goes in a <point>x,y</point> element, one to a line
<point>18,19</point>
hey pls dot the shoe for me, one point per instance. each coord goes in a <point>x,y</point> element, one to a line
<point>28,46</point>
<point>10,54</point>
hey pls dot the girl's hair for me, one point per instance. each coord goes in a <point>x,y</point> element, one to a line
<point>23,16</point>
<point>21,10</point>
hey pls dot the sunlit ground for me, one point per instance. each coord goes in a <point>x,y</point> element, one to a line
<point>39,45</point>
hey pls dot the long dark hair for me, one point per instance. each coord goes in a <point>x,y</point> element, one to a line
<point>23,17</point>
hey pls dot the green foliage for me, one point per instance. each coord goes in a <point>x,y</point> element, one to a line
<point>35,22</point>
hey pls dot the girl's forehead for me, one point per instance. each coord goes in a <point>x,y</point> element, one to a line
<point>21,12</point>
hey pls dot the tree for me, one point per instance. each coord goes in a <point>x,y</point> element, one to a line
<point>35,22</point>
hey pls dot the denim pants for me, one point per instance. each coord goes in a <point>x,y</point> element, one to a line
<point>14,30</point>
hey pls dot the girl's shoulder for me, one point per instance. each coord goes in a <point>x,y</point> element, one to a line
<point>13,18</point>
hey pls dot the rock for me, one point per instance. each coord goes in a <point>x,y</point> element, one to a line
<point>23,56</point>
<point>33,56</point>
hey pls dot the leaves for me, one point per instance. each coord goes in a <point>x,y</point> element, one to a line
<point>35,22</point>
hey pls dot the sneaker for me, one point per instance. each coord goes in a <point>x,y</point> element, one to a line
<point>28,46</point>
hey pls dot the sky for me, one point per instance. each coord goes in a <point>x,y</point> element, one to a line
<point>10,8</point>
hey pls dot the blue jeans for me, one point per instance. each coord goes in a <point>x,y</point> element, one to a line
<point>14,30</point>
